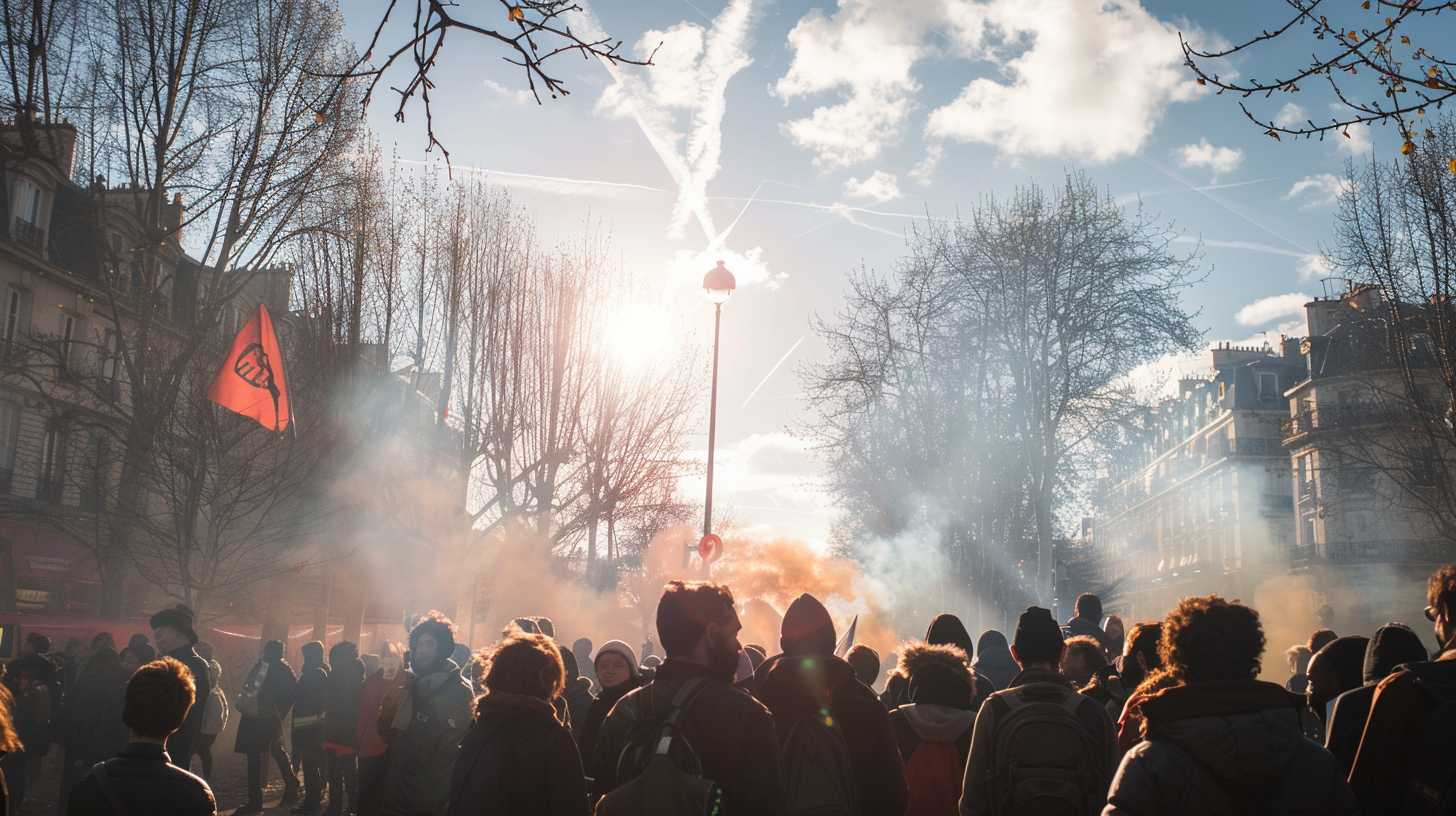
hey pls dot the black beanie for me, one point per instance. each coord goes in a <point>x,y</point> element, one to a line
<point>1038,637</point>
<point>178,617</point>
<point>1393,644</point>
<point>807,628</point>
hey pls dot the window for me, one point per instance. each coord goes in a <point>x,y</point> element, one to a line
<point>93,493</point>
<point>1424,467</point>
<point>9,440</point>
<point>27,201</point>
<point>52,482</point>
<point>10,328</point>
<point>107,368</point>
<point>1268,385</point>
<point>67,343</point>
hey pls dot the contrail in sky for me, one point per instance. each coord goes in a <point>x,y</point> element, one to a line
<point>771,371</point>
<point>1261,226</point>
<point>549,183</point>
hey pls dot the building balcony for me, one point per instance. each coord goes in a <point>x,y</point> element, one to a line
<point>1387,551</point>
<point>24,232</point>
<point>1340,417</point>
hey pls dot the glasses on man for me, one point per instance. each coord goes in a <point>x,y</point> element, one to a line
<point>1431,614</point>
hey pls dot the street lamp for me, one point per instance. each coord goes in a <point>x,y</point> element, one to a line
<point>718,285</point>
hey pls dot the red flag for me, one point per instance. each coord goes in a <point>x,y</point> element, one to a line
<point>250,381</point>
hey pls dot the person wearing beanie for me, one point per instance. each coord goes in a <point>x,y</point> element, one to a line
<point>807,680</point>
<point>428,725</point>
<point>933,730</point>
<point>1394,644</point>
<point>175,632</point>
<point>616,669</point>
<point>263,705</point>
<point>1068,737</point>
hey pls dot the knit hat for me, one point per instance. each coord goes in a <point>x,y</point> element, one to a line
<point>1393,644</point>
<point>1038,637</point>
<point>619,648</point>
<point>807,628</point>
<point>178,617</point>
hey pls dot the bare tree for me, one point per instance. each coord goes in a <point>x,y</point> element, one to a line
<point>1385,61</point>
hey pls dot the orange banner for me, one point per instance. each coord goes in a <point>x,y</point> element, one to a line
<point>251,380</point>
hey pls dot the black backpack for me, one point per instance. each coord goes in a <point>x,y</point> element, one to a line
<point>817,774</point>
<point>1046,761</point>
<point>1431,785</point>
<point>664,773</point>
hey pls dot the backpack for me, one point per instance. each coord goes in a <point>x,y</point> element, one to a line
<point>817,774</point>
<point>1431,785</point>
<point>1046,761</point>
<point>933,775</point>
<point>670,780</point>
<point>252,689</point>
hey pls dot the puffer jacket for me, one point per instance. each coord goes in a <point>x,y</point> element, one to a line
<point>1226,749</point>
<point>429,724</point>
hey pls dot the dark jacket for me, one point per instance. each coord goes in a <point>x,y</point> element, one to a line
<point>732,734</point>
<point>1082,626</point>
<point>431,720</point>
<point>980,793</point>
<point>181,745</point>
<point>311,696</point>
<point>145,782</point>
<point>1394,732</point>
<point>591,725</point>
<point>1394,644</point>
<point>942,705</point>
<point>1233,748</point>
<point>94,730</point>
<point>341,707</point>
<point>275,699</point>
<point>517,759</point>
<point>800,687</point>
<point>993,661</point>
<point>945,630</point>
<point>578,697</point>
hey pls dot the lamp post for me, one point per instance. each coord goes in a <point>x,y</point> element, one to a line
<point>718,285</point>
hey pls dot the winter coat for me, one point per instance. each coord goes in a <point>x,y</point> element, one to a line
<point>1394,731</point>
<point>369,738</point>
<point>979,793</point>
<point>1394,644</point>
<point>429,723</point>
<point>341,705</point>
<point>917,723</point>
<point>993,661</point>
<point>181,745</point>
<point>1082,626</point>
<point>798,688</point>
<point>578,697</point>
<point>517,759</point>
<point>275,699</point>
<point>215,715</point>
<point>591,725</point>
<point>94,730</point>
<point>311,696</point>
<point>1229,748</point>
<point>942,708</point>
<point>145,782</point>
<point>732,734</point>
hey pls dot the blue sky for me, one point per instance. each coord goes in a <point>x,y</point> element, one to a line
<point>844,121</point>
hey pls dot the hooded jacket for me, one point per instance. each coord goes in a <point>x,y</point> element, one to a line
<point>796,688</point>
<point>945,630</point>
<point>1395,731</point>
<point>1334,670</point>
<point>517,759</point>
<point>1227,748</point>
<point>993,662</point>
<point>940,709</point>
<point>341,708</point>
<point>430,721</point>
<point>1393,644</point>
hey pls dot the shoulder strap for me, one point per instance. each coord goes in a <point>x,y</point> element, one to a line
<point>680,703</point>
<point>103,781</point>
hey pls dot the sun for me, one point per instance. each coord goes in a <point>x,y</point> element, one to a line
<point>637,337</point>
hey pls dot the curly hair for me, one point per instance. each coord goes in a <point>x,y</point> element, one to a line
<point>1087,648</point>
<point>526,664</point>
<point>158,696</point>
<point>1441,589</point>
<point>436,625</point>
<point>1207,639</point>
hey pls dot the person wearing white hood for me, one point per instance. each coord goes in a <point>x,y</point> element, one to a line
<point>934,729</point>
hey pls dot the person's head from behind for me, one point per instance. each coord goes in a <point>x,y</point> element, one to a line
<point>344,656</point>
<point>431,643</point>
<point>1441,605</point>
<point>103,641</point>
<point>866,664</point>
<point>1114,627</point>
<point>526,664</point>
<point>158,696</point>
<point>1082,658</point>
<point>1297,657</point>
<point>1038,642</point>
<point>272,651</point>
<point>36,643</point>
<point>1089,607</point>
<point>1394,644</point>
<point>313,654</point>
<point>1320,638</point>
<point>1207,639</point>
<point>1334,670</point>
<point>1140,653</point>
<point>696,623</point>
<point>807,628</point>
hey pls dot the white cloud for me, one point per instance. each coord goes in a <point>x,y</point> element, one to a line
<point>866,51</point>
<point>1269,309</point>
<point>1217,159</point>
<point>1354,140</point>
<point>879,187</point>
<point>518,96</point>
<point>1321,189</point>
<point>925,170</point>
<point>1290,115</point>
<point>1313,267</point>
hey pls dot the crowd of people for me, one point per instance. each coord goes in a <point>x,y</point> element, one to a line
<point>1083,717</point>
